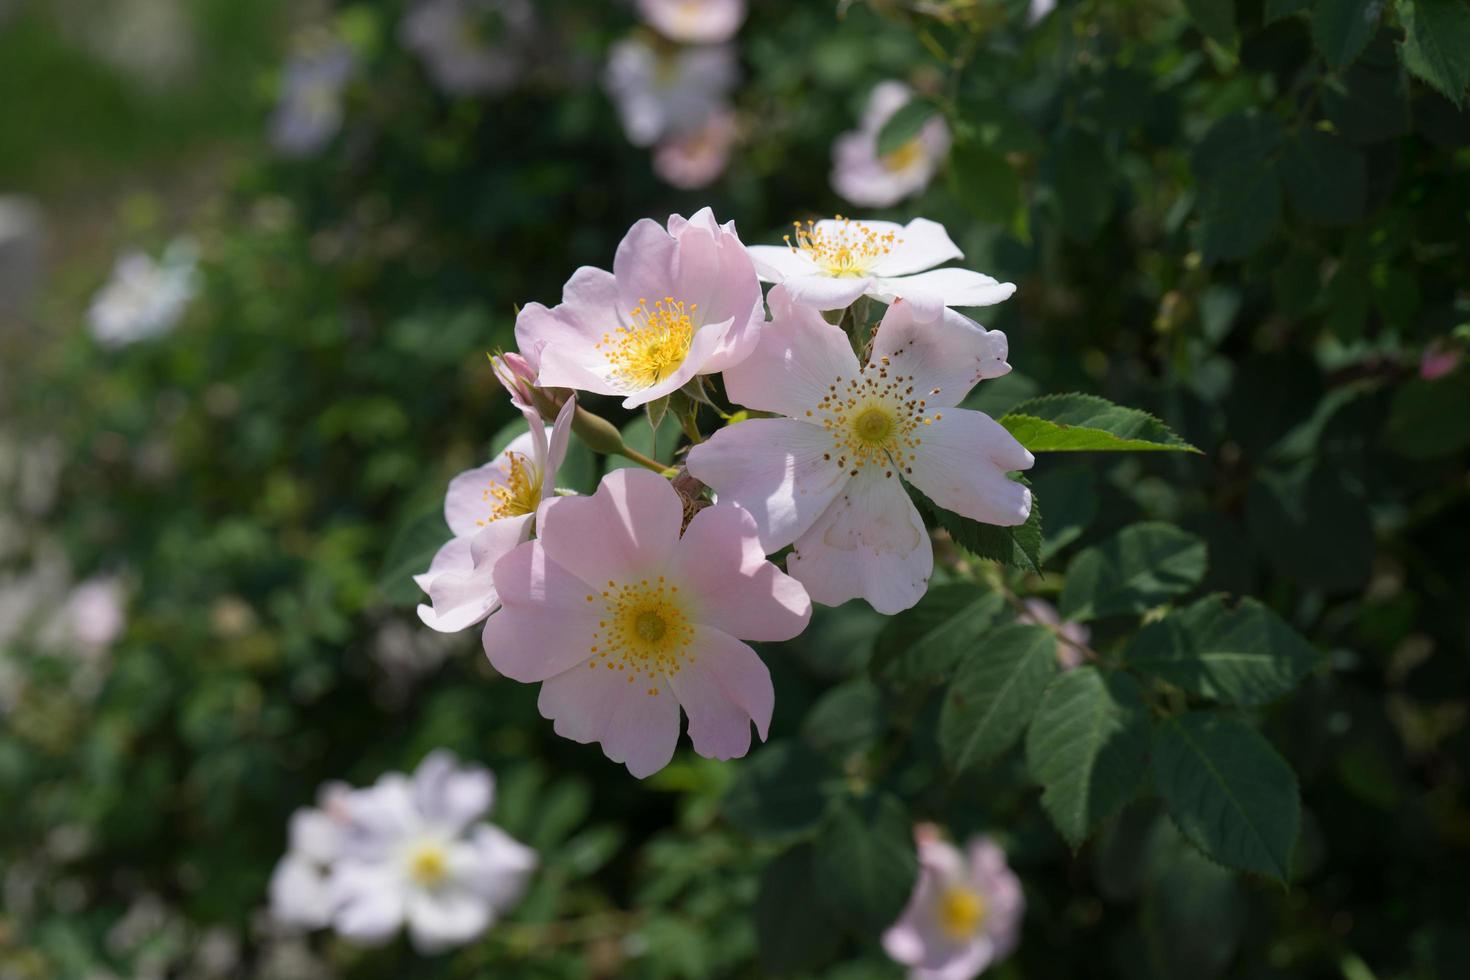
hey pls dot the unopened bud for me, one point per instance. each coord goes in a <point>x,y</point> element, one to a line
<point>600,435</point>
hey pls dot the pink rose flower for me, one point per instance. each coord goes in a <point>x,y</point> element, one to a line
<point>623,621</point>
<point>679,302</point>
<point>490,509</point>
<point>698,158</point>
<point>866,178</point>
<point>964,915</point>
<point>829,477</point>
<point>833,262</point>
<point>694,21</point>
<point>1071,637</point>
<point>1438,360</point>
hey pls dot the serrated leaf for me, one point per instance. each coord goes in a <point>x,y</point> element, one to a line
<point>994,694</point>
<point>793,931</point>
<point>1342,28</point>
<point>1326,178</point>
<point>1228,791</point>
<point>1019,547</point>
<point>1244,655</point>
<point>904,125</point>
<point>1214,18</point>
<point>781,791</point>
<point>923,645</point>
<point>1088,748</point>
<point>409,554</point>
<point>1087,423</point>
<point>1437,44</point>
<point>865,861</point>
<point>1140,567</point>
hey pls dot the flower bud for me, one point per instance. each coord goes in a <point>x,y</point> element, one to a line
<point>517,375</point>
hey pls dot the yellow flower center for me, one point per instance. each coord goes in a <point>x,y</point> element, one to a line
<point>643,629</point>
<point>874,419</point>
<point>961,912</point>
<point>652,346</point>
<point>846,250</point>
<point>428,863</point>
<point>520,493</point>
<point>904,157</point>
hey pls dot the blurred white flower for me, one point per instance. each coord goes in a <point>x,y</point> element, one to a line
<point>22,237</point>
<point>864,177</point>
<point>310,111</point>
<point>1071,637</point>
<point>694,21</point>
<point>94,613</point>
<point>664,90</point>
<point>144,298</point>
<point>697,158</point>
<point>470,46</point>
<point>1039,9</point>
<point>153,41</point>
<point>405,851</point>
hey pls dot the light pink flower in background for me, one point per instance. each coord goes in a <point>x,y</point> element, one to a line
<point>145,298</point>
<point>965,912</point>
<point>1071,637</point>
<point>1039,9</point>
<point>491,509</point>
<point>413,854</point>
<point>94,613</point>
<point>623,621</point>
<point>694,21</point>
<point>470,46</point>
<point>697,158</point>
<point>679,302</point>
<point>830,263</point>
<point>300,895</point>
<point>829,477</point>
<point>864,177</point>
<point>665,90</point>
<point>310,111</point>
<point>1438,360</point>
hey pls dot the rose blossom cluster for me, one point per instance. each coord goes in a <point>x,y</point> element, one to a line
<point>640,600</point>
<point>671,86</point>
<point>407,851</point>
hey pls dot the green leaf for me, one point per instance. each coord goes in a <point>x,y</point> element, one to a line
<point>1313,525</point>
<point>1087,423</point>
<point>1280,9</point>
<point>1214,18</point>
<point>1140,567</point>
<point>1084,194</point>
<point>1239,212</point>
<point>1246,655</point>
<point>847,719</point>
<point>1071,496</point>
<point>793,932</point>
<point>409,554</point>
<point>1437,44</point>
<point>993,696</point>
<point>904,125</point>
<point>866,864</point>
<point>984,181</point>
<point>1342,28</point>
<point>1088,748</point>
<point>781,791</point>
<point>658,443</point>
<point>1326,179</point>
<point>1019,547</point>
<point>1239,140</point>
<point>1427,419</point>
<point>923,645</point>
<point>1229,792</point>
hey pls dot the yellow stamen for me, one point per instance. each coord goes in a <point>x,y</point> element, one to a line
<point>520,493</point>
<point>847,250</point>
<point>904,157</point>
<point>652,346</point>
<point>643,630</point>
<point>961,912</point>
<point>874,418</point>
<point>428,864</point>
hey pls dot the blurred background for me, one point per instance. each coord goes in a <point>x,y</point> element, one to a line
<point>252,256</point>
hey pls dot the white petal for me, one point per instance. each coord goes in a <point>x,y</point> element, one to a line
<point>930,292</point>
<point>822,292</point>
<point>777,263</point>
<point>944,359</point>
<point>449,796</point>
<point>445,917</point>
<point>962,463</point>
<point>922,244</point>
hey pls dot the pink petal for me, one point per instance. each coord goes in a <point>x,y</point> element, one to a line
<point>589,309</point>
<point>774,468</point>
<point>449,795</point>
<point>464,597</point>
<point>952,353</point>
<point>798,357</point>
<point>469,502</point>
<point>492,864</point>
<point>922,244</point>
<point>962,464</point>
<point>546,623</point>
<point>930,292</point>
<point>611,707</point>
<point>646,265</point>
<point>628,527</point>
<point>723,687</point>
<point>721,564</point>
<point>776,263</point>
<point>869,544</point>
<point>453,555</point>
<point>715,271</point>
<point>556,449</point>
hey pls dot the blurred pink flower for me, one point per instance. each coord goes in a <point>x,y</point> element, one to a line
<point>490,510</point>
<point>864,177</point>
<point>964,915</point>
<point>95,614</point>
<point>834,261</point>
<point>1438,360</point>
<point>1071,637</point>
<point>665,91</point>
<point>694,21</point>
<point>310,110</point>
<point>679,302</point>
<point>830,476</point>
<point>625,621</point>
<point>470,46</point>
<point>697,159</point>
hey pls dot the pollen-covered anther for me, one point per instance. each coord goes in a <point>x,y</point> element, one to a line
<point>652,345</point>
<point>847,250</point>
<point>643,628</point>
<point>518,494</point>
